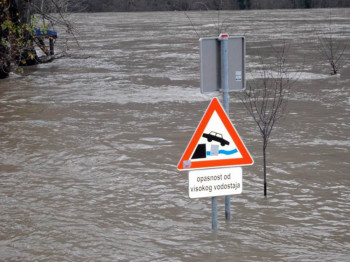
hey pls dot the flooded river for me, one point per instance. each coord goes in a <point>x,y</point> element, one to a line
<point>90,144</point>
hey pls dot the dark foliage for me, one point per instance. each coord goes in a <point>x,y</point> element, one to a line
<point>182,5</point>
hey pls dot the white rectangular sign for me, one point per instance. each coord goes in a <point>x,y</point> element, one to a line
<point>215,182</point>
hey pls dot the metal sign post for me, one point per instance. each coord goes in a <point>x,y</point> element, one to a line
<point>223,38</point>
<point>214,213</point>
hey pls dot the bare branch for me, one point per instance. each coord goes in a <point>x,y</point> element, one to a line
<point>193,26</point>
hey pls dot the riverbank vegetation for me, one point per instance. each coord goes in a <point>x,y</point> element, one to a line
<point>25,24</point>
<point>186,5</point>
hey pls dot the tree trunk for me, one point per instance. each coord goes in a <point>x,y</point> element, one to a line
<point>4,63</point>
<point>26,55</point>
<point>22,51</point>
<point>264,159</point>
<point>334,69</point>
<point>4,49</point>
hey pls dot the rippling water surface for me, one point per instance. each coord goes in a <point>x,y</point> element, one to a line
<point>90,144</point>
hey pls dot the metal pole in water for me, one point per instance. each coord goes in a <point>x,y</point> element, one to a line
<point>52,50</point>
<point>214,213</point>
<point>223,38</point>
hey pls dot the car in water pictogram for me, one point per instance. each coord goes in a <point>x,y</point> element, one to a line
<point>214,136</point>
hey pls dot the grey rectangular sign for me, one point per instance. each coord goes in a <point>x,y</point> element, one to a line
<point>210,64</point>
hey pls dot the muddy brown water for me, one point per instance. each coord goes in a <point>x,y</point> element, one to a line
<point>90,144</point>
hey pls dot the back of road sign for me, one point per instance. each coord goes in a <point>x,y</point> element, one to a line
<point>210,64</point>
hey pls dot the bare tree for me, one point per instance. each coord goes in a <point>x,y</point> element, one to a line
<point>266,96</point>
<point>331,49</point>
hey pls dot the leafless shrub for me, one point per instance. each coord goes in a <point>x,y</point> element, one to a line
<point>267,94</point>
<point>330,48</point>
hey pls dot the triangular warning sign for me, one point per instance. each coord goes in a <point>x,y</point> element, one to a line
<point>215,143</point>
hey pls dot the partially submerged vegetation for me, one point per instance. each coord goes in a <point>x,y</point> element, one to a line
<point>266,96</point>
<point>24,25</point>
<point>331,50</point>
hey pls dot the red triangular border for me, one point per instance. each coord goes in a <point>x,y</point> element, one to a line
<point>246,157</point>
